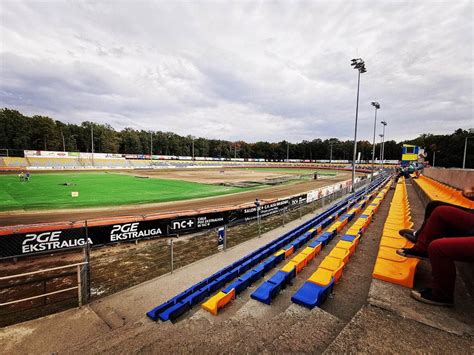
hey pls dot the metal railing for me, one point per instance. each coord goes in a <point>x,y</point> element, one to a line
<point>78,286</point>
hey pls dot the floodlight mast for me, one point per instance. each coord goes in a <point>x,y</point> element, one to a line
<point>380,151</point>
<point>383,142</point>
<point>376,106</point>
<point>359,65</point>
<point>471,130</point>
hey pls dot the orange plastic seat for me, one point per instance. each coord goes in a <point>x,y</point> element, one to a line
<point>218,301</point>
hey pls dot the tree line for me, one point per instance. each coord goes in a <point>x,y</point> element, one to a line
<point>20,132</point>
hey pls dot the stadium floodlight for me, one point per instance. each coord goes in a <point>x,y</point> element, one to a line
<point>376,106</point>
<point>380,151</point>
<point>471,131</point>
<point>383,141</point>
<point>358,64</point>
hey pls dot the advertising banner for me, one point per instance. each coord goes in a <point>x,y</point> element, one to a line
<point>22,244</point>
<point>42,242</point>
<point>312,196</point>
<point>220,238</point>
<point>250,213</point>
<point>45,154</point>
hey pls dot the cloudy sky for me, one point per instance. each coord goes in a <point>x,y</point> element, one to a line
<point>241,70</point>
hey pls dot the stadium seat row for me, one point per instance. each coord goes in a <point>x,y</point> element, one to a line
<point>281,278</point>
<point>225,296</point>
<point>390,266</point>
<point>436,190</point>
<point>320,284</point>
<point>14,162</point>
<point>184,301</point>
<point>271,288</point>
<point>181,303</point>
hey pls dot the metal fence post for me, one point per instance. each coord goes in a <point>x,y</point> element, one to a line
<point>258,221</point>
<point>79,285</point>
<point>172,256</point>
<point>225,237</point>
<point>87,268</point>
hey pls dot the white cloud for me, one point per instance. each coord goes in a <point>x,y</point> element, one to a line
<point>252,71</point>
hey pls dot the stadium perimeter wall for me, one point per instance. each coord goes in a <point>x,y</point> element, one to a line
<point>457,178</point>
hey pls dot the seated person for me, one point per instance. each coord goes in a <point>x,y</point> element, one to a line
<point>411,235</point>
<point>443,253</point>
<point>447,235</point>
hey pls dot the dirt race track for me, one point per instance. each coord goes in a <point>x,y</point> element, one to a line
<point>215,176</point>
<point>269,193</point>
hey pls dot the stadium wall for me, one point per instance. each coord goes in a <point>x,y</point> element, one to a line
<point>457,178</point>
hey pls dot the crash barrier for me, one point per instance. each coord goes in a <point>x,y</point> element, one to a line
<point>24,240</point>
<point>390,266</point>
<point>321,283</point>
<point>436,190</point>
<point>275,251</point>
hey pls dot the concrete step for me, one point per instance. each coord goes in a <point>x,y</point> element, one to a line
<point>374,330</point>
<point>312,334</point>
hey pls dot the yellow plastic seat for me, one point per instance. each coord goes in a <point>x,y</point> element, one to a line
<point>344,244</point>
<point>279,252</point>
<point>334,265</point>
<point>321,277</point>
<point>288,268</point>
<point>309,252</point>
<point>339,253</point>
<point>395,243</point>
<point>300,261</point>
<point>397,272</point>
<point>218,301</point>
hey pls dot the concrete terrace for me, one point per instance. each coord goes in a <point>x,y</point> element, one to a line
<point>363,314</point>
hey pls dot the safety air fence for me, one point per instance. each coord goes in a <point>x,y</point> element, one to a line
<point>47,238</point>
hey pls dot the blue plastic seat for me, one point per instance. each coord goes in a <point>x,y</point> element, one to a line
<point>196,297</point>
<point>314,243</point>
<point>238,285</point>
<point>214,285</point>
<point>154,313</point>
<point>250,277</point>
<point>270,288</point>
<point>245,266</point>
<point>348,238</point>
<point>323,240</point>
<point>257,273</point>
<point>268,264</point>
<point>174,311</point>
<point>311,295</point>
<point>266,292</point>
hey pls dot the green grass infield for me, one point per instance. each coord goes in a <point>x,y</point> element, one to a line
<point>48,191</point>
